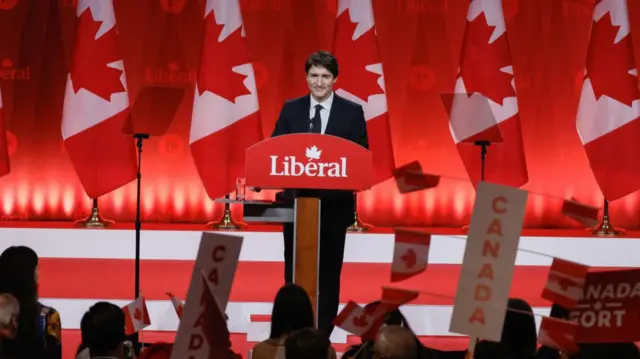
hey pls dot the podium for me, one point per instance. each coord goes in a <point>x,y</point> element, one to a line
<point>304,162</point>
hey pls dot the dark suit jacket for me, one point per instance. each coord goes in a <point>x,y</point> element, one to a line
<point>346,120</point>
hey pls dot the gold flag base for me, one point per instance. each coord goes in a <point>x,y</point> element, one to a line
<point>226,223</point>
<point>94,220</point>
<point>605,228</point>
<point>358,225</point>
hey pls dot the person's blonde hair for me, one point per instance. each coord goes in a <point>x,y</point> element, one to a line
<point>9,309</point>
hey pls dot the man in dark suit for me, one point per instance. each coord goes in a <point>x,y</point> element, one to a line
<point>322,111</point>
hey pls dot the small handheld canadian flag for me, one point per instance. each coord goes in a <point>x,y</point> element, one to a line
<point>136,316</point>
<point>583,213</point>
<point>410,178</point>
<point>177,304</point>
<point>410,254</point>
<point>355,320</point>
<point>558,334</point>
<point>565,283</point>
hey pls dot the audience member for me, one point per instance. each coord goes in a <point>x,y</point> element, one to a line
<point>607,351</point>
<point>9,312</point>
<point>103,332</point>
<point>308,343</point>
<point>292,311</point>
<point>39,330</point>
<point>395,342</point>
<point>395,318</point>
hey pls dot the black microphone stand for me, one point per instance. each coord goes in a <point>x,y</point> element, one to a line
<point>138,225</point>
<point>483,151</point>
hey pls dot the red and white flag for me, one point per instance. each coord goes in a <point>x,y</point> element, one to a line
<point>558,334</point>
<point>393,298</point>
<point>361,78</point>
<point>177,304</point>
<point>410,254</point>
<point>354,319</point>
<point>136,316</point>
<point>486,74</point>
<point>583,213</point>
<point>609,110</point>
<point>225,119</point>
<point>565,284</point>
<point>96,104</point>
<point>4,144</point>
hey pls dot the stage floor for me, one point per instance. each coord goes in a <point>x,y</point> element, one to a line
<point>81,266</point>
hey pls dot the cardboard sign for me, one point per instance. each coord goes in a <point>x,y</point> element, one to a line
<point>489,259</point>
<point>218,258</point>
<point>609,310</point>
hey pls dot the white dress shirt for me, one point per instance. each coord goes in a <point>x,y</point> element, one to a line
<point>324,111</point>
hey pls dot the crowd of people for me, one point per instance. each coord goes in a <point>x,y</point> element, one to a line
<point>31,330</point>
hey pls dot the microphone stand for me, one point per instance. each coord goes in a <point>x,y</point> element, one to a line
<point>483,151</point>
<point>138,225</point>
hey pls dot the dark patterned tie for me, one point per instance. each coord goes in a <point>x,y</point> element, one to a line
<point>317,122</point>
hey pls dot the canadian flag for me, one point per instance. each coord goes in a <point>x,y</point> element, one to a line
<point>486,75</point>
<point>96,104</point>
<point>410,254</point>
<point>558,334</point>
<point>583,213</point>
<point>225,119</point>
<point>177,304</point>
<point>361,78</point>
<point>136,316</point>
<point>565,284</point>
<point>4,144</point>
<point>397,297</point>
<point>354,319</point>
<point>609,111</point>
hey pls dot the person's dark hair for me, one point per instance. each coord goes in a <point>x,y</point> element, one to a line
<point>308,343</point>
<point>102,328</point>
<point>519,338</point>
<point>519,332</point>
<point>322,59</point>
<point>18,277</point>
<point>607,350</point>
<point>292,311</point>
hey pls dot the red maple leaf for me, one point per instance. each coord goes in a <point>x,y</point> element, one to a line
<point>91,56</point>
<point>218,58</point>
<point>608,63</point>
<point>360,321</point>
<point>137,314</point>
<point>354,56</point>
<point>409,258</point>
<point>482,62</point>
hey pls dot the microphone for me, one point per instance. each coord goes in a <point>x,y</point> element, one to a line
<point>310,125</point>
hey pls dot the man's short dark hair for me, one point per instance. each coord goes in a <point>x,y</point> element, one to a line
<point>102,328</point>
<point>308,343</point>
<point>322,59</point>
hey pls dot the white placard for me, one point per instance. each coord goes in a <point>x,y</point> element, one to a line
<point>218,258</point>
<point>489,259</point>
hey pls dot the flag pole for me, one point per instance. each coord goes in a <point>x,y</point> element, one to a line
<point>94,220</point>
<point>138,226</point>
<point>357,225</point>
<point>605,228</point>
